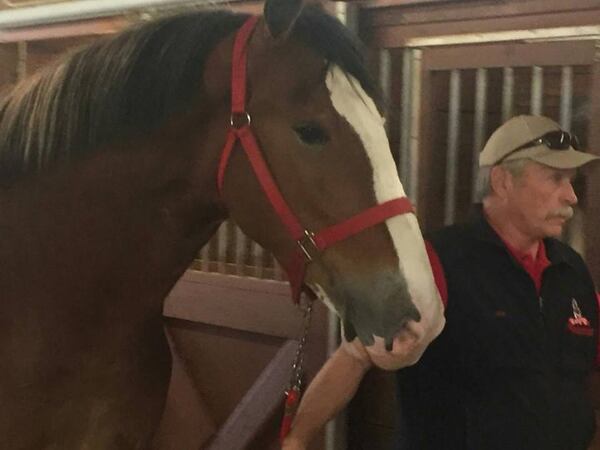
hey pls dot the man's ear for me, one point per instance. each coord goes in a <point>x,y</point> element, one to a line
<point>500,181</point>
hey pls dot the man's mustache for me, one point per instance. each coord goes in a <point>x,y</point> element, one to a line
<point>566,212</point>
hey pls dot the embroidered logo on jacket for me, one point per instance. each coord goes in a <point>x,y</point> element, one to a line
<point>578,324</point>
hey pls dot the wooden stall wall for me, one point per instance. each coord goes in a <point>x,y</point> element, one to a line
<point>452,71</point>
<point>234,339</point>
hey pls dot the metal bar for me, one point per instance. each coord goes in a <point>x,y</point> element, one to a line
<point>508,85</point>
<point>230,249</point>
<point>415,112</point>
<point>405,119</point>
<point>348,15</point>
<point>205,257</point>
<point>385,79</point>
<point>335,432</point>
<point>84,9</point>
<point>257,260</point>
<point>221,244</point>
<point>240,251</point>
<point>480,122</point>
<point>574,232</point>
<point>341,9</point>
<point>566,98</point>
<point>429,205</point>
<point>277,270</point>
<point>452,155</point>
<point>537,90</point>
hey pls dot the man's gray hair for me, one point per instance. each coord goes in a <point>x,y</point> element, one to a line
<point>484,187</point>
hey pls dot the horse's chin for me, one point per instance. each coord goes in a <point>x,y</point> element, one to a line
<point>408,345</point>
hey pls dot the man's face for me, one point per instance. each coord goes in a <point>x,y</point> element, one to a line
<point>540,200</point>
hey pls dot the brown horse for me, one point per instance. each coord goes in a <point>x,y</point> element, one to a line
<point>108,169</point>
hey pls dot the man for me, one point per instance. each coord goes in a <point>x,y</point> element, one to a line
<point>510,369</point>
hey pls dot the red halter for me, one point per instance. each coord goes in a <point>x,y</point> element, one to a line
<point>309,244</point>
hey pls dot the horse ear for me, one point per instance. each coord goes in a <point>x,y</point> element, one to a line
<point>280,15</point>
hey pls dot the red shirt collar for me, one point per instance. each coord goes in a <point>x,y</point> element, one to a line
<point>525,258</point>
<point>533,266</point>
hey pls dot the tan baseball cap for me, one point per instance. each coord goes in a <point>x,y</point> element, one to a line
<point>519,131</point>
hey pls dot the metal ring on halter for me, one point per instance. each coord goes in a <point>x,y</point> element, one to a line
<point>240,120</point>
<point>309,251</point>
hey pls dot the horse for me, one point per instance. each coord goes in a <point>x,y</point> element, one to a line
<point>119,162</point>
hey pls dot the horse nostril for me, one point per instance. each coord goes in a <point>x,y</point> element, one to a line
<point>389,339</point>
<point>389,344</point>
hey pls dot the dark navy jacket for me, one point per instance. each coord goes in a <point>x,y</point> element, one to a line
<point>507,372</point>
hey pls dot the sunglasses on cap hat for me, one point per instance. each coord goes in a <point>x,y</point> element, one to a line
<point>554,140</point>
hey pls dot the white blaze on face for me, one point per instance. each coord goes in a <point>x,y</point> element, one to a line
<point>351,102</point>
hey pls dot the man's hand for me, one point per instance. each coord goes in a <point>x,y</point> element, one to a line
<point>332,388</point>
<point>291,443</point>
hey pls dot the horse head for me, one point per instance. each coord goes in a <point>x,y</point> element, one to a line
<point>311,108</point>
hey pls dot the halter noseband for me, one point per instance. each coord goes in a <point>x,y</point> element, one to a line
<point>309,244</point>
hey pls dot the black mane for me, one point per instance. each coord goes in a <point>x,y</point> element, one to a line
<point>133,82</point>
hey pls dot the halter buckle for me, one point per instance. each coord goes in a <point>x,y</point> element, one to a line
<point>308,245</point>
<point>239,120</point>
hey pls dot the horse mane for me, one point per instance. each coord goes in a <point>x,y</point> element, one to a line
<point>132,83</point>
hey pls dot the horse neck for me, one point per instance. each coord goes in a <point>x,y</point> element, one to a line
<point>119,227</point>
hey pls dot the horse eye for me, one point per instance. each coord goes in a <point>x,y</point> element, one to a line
<point>311,134</point>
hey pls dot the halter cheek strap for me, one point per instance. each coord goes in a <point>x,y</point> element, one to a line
<point>309,244</point>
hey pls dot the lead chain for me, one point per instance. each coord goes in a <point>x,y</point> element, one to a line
<point>296,381</point>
